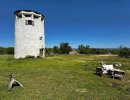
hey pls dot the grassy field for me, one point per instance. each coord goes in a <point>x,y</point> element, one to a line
<point>63,77</point>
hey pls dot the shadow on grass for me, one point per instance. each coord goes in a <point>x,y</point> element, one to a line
<point>15,85</point>
<point>98,74</point>
<point>117,78</point>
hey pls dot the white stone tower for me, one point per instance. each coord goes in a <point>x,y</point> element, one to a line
<point>29,34</point>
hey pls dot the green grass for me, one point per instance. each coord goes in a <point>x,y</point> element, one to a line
<point>63,77</point>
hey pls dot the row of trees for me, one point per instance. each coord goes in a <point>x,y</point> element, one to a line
<point>65,48</point>
<point>124,52</point>
<point>87,50</point>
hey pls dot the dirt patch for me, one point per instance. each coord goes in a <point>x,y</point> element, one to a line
<point>81,90</point>
<point>107,55</point>
<point>80,61</point>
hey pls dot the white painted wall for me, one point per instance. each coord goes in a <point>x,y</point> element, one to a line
<point>27,37</point>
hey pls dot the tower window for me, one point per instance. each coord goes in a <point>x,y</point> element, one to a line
<point>40,38</point>
<point>29,22</point>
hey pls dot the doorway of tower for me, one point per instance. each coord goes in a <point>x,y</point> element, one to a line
<point>41,52</point>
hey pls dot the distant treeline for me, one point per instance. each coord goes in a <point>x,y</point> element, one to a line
<point>8,50</point>
<point>65,48</point>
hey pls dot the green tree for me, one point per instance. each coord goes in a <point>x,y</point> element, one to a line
<point>124,51</point>
<point>48,50</point>
<point>64,48</point>
<point>55,49</point>
<point>10,50</point>
<point>81,49</point>
<point>2,50</point>
<point>93,51</point>
<point>98,51</point>
<point>114,51</point>
<point>84,49</point>
<point>87,49</point>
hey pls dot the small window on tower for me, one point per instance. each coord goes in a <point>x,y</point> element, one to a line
<point>40,38</point>
<point>29,22</point>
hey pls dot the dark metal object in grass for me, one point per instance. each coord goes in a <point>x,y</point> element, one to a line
<point>12,81</point>
<point>116,73</point>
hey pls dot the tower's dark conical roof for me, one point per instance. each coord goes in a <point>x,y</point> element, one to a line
<point>18,11</point>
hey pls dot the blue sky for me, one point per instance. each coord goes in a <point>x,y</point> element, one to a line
<point>98,23</point>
